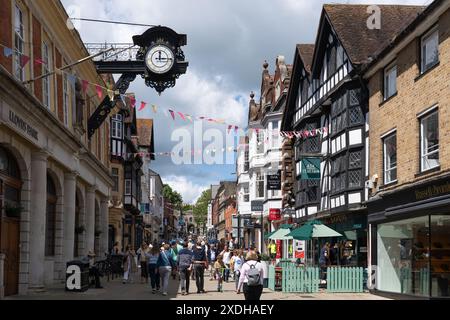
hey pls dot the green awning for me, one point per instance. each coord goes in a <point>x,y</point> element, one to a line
<point>314,230</point>
<point>281,234</point>
<point>268,235</point>
<point>286,226</point>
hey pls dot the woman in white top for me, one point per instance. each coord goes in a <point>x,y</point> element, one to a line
<point>251,292</point>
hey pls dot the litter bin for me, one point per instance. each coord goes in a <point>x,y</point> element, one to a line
<point>77,276</point>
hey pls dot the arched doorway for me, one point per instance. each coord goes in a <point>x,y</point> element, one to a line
<point>10,190</point>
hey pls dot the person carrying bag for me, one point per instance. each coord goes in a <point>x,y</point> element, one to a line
<point>251,278</point>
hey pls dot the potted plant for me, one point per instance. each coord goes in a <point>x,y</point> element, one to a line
<point>80,229</point>
<point>12,211</point>
<point>265,261</point>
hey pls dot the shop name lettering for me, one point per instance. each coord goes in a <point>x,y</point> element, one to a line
<point>22,125</point>
<point>312,169</point>
<point>433,191</point>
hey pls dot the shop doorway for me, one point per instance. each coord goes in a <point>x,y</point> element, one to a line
<point>10,189</point>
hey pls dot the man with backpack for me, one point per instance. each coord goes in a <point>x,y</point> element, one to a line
<point>251,278</point>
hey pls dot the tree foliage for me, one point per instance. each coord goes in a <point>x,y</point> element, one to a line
<point>201,208</point>
<point>173,196</point>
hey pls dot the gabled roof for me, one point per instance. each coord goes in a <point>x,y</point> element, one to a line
<point>146,134</point>
<point>350,24</point>
<point>306,52</point>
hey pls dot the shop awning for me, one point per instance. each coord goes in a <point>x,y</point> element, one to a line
<point>314,229</point>
<point>281,234</point>
<point>268,235</point>
<point>286,226</point>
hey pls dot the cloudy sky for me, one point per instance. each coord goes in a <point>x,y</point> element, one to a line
<point>228,41</point>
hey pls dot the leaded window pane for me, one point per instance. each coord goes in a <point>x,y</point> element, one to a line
<point>355,159</point>
<point>354,97</point>
<point>354,179</point>
<point>356,116</point>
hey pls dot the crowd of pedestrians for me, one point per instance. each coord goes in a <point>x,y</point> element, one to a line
<point>186,260</point>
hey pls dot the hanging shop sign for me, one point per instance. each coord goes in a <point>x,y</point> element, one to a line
<point>274,214</point>
<point>279,249</point>
<point>311,169</point>
<point>257,206</point>
<point>274,181</point>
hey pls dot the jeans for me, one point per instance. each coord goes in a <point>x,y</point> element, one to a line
<point>226,275</point>
<point>93,271</point>
<point>184,276</point>
<point>252,293</point>
<point>164,273</point>
<point>237,275</point>
<point>199,277</point>
<point>154,276</point>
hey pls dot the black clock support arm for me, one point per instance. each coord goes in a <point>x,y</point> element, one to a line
<point>105,108</point>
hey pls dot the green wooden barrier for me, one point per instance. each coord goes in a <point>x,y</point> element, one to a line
<point>345,280</point>
<point>300,279</point>
<point>272,278</point>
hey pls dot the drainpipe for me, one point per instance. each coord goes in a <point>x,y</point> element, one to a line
<point>2,275</point>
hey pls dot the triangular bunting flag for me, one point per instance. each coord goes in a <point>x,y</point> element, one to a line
<point>189,117</point>
<point>71,78</point>
<point>182,116</point>
<point>111,95</point>
<point>155,109</point>
<point>229,129</point>
<point>133,102</point>
<point>172,114</point>
<point>39,61</point>
<point>7,52</point>
<point>85,85</point>
<point>24,60</point>
<point>236,129</point>
<point>99,91</point>
<point>143,104</point>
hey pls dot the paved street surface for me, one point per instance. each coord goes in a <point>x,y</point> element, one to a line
<point>115,290</point>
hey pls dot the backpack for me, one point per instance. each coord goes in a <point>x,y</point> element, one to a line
<point>254,277</point>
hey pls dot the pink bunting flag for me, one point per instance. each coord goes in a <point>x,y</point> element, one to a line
<point>143,104</point>
<point>84,84</point>
<point>172,113</point>
<point>236,129</point>
<point>39,61</point>
<point>24,60</point>
<point>133,102</point>
<point>182,116</point>
<point>229,129</point>
<point>99,91</point>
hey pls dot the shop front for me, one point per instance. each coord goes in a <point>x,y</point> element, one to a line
<point>410,245</point>
<point>350,249</point>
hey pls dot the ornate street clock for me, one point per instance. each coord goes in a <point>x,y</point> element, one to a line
<point>159,61</point>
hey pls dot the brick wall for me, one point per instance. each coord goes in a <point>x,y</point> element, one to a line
<point>6,32</point>
<point>415,95</point>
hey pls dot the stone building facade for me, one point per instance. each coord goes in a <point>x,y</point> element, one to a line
<point>54,181</point>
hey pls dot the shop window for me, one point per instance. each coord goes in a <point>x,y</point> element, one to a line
<point>403,257</point>
<point>390,158</point>
<point>429,135</point>
<point>440,256</point>
<point>430,50</point>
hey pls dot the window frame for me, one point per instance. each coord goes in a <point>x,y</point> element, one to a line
<point>423,67</point>
<point>259,142</point>
<point>116,126</point>
<point>386,170</point>
<point>66,99</point>
<point>422,118</point>
<point>386,83</point>
<point>19,47</point>
<point>115,178</point>
<point>128,185</point>
<point>260,178</point>
<point>46,81</point>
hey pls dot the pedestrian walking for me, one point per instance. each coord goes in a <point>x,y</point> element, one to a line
<point>219,268</point>
<point>185,264</point>
<point>324,260</point>
<point>200,263</point>
<point>152,258</point>
<point>174,253</point>
<point>238,261</point>
<point>129,265</point>
<point>251,279</point>
<point>165,264</point>
<point>226,259</point>
<point>212,257</point>
<point>142,255</point>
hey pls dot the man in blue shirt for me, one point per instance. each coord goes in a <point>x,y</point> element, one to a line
<point>185,259</point>
<point>200,262</point>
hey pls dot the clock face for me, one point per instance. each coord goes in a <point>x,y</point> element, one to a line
<point>160,59</point>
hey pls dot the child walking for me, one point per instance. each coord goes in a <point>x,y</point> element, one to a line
<point>219,267</point>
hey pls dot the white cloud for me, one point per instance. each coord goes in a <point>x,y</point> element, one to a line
<point>189,190</point>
